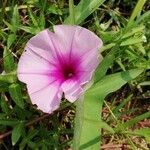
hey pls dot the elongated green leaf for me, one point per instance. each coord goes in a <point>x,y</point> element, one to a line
<point>54,10</point>
<point>145,83</point>
<point>142,132</point>
<point>10,27</point>
<point>116,109</point>
<point>8,78</point>
<point>3,86</point>
<point>105,64</point>
<point>131,41</point>
<point>88,115</point>
<point>133,121</point>
<point>32,17</point>
<point>4,105</point>
<point>10,40</point>
<point>32,30</point>
<point>31,133</point>
<point>105,126</point>
<point>112,82</point>
<point>146,15</point>
<point>15,19</point>
<point>136,11</point>
<point>84,9</point>
<point>134,30</point>
<point>3,35</point>
<point>16,133</point>
<point>42,21</point>
<point>9,64</point>
<point>8,122</point>
<point>16,95</point>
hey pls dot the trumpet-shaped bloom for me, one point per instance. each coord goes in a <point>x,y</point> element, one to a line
<point>58,63</point>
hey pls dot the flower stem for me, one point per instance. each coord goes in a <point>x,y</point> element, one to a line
<point>71,11</point>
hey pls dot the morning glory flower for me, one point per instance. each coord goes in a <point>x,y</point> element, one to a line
<point>58,63</point>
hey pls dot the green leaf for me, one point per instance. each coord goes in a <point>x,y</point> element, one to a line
<point>33,19</point>
<point>32,30</point>
<point>10,40</point>
<point>132,31</point>
<point>84,9</point>
<point>9,63</point>
<point>131,41</point>
<point>7,78</point>
<point>87,132</point>
<point>54,10</point>
<point>142,132</point>
<point>42,21</point>
<point>105,64</point>
<point>15,19</point>
<point>17,132</point>
<point>136,11</point>
<point>133,121</point>
<point>3,35</point>
<point>105,126</point>
<point>16,94</point>
<point>11,28</point>
<point>125,101</point>
<point>8,122</point>
<point>28,137</point>
<point>108,37</point>
<point>3,86</point>
<point>111,83</point>
<point>143,17</point>
<point>140,48</point>
<point>145,83</point>
<point>4,105</point>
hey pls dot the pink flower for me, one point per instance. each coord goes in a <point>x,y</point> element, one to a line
<point>57,63</point>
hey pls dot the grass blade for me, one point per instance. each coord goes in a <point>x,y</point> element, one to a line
<point>84,9</point>
<point>134,121</point>
<point>136,11</point>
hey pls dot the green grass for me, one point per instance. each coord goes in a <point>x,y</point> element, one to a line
<point>120,92</point>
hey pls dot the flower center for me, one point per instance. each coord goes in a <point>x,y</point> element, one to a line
<point>68,72</point>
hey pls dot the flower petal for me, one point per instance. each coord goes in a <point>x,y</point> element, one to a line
<point>75,40</point>
<point>36,82</point>
<point>88,64</point>
<point>47,99</point>
<point>90,61</point>
<point>42,45</point>
<point>72,90</point>
<point>32,63</point>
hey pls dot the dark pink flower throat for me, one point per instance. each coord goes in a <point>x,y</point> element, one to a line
<point>68,71</point>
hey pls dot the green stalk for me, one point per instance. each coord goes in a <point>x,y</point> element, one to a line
<point>71,11</point>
